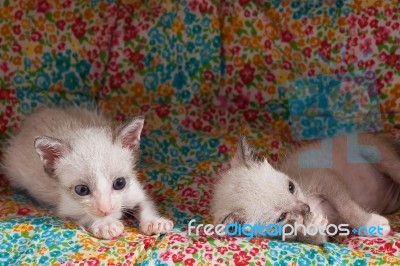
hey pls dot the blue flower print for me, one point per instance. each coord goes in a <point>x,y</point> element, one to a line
<point>42,81</point>
<point>151,81</point>
<point>63,64</point>
<point>83,68</point>
<point>179,80</point>
<point>71,81</point>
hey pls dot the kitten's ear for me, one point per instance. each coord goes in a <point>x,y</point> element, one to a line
<point>129,134</point>
<point>49,150</point>
<point>245,154</point>
<point>235,216</point>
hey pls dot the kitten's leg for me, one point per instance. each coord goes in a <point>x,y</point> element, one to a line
<point>150,222</point>
<point>325,182</point>
<point>108,227</point>
<point>317,239</point>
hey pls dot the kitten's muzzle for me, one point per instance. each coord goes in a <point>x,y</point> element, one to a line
<point>301,208</point>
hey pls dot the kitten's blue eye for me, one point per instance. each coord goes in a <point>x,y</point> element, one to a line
<point>82,190</point>
<point>282,217</point>
<point>119,183</point>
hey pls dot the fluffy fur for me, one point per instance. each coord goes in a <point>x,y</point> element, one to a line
<point>56,151</point>
<point>253,191</point>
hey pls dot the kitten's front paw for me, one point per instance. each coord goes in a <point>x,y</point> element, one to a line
<point>157,226</point>
<point>321,222</point>
<point>378,220</point>
<point>107,229</point>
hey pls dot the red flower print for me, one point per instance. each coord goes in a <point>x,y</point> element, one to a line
<point>274,157</point>
<point>307,52</point>
<point>116,81</point>
<point>241,259</point>
<point>250,115</point>
<point>392,59</point>
<point>178,257</point>
<point>165,255</point>
<point>79,28</point>
<point>268,44</point>
<point>19,14</point>
<point>372,11</point>
<point>36,36</point>
<point>373,23</point>
<point>233,247</point>
<point>309,30</point>
<point>254,251</point>
<point>130,33</point>
<point>268,59</point>
<point>189,262</point>
<point>9,111</point>
<point>286,65</point>
<point>3,124</point>
<point>247,73</point>
<point>388,77</point>
<point>241,101</point>
<point>208,256</point>
<point>243,2</point>
<point>270,77</point>
<point>388,249</point>
<point>275,144</point>
<point>24,211</point>
<point>207,128</point>
<point>163,110</point>
<point>43,6</point>
<point>92,261</point>
<point>287,36</point>
<point>191,250</point>
<point>223,149</point>
<point>229,69</point>
<point>148,242</point>
<point>325,50</point>
<point>60,24</point>
<point>363,21</point>
<point>222,250</point>
<point>208,75</point>
<point>17,29</point>
<point>197,124</point>
<point>16,47</point>
<point>381,35</point>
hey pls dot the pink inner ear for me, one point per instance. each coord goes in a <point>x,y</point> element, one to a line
<point>130,140</point>
<point>50,154</point>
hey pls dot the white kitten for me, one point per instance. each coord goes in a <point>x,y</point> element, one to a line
<point>253,191</point>
<point>85,169</point>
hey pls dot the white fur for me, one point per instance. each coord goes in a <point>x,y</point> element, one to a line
<point>87,152</point>
<point>254,191</point>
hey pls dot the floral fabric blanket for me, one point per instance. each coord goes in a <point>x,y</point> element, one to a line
<point>201,72</point>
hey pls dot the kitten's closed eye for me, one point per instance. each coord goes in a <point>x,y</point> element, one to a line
<point>119,183</point>
<point>82,190</point>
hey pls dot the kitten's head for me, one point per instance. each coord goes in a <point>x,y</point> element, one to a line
<point>253,191</point>
<point>94,168</point>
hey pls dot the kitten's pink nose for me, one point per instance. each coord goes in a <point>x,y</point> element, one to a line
<point>104,211</point>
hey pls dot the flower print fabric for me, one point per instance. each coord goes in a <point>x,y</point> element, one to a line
<point>201,72</point>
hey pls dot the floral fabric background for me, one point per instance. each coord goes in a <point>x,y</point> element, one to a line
<point>201,72</point>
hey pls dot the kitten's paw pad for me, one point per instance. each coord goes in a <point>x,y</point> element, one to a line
<point>378,220</point>
<point>157,226</point>
<point>108,230</point>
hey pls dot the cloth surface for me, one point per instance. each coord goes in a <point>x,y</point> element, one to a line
<point>201,72</point>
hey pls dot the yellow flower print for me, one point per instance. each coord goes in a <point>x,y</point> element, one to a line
<point>137,89</point>
<point>357,253</point>
<point>5,30</point>
<point>88,14</point>
<point>205,165</point>
<point>40,23</point>
<point>38,49</point>
<point>53,38</point>
<point>102,256</point>
<point>29,49</point>
<point>166,90</point>
<point>177,25</point>
<point>23,228</point>
<point>17,61</point>
<point>282,77</point>
<point>215,23</point>
<point>205,88</point>
<point>77,256</point>
<point>50,27</point>
<point>121,251</point>
<point>170,193</point>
